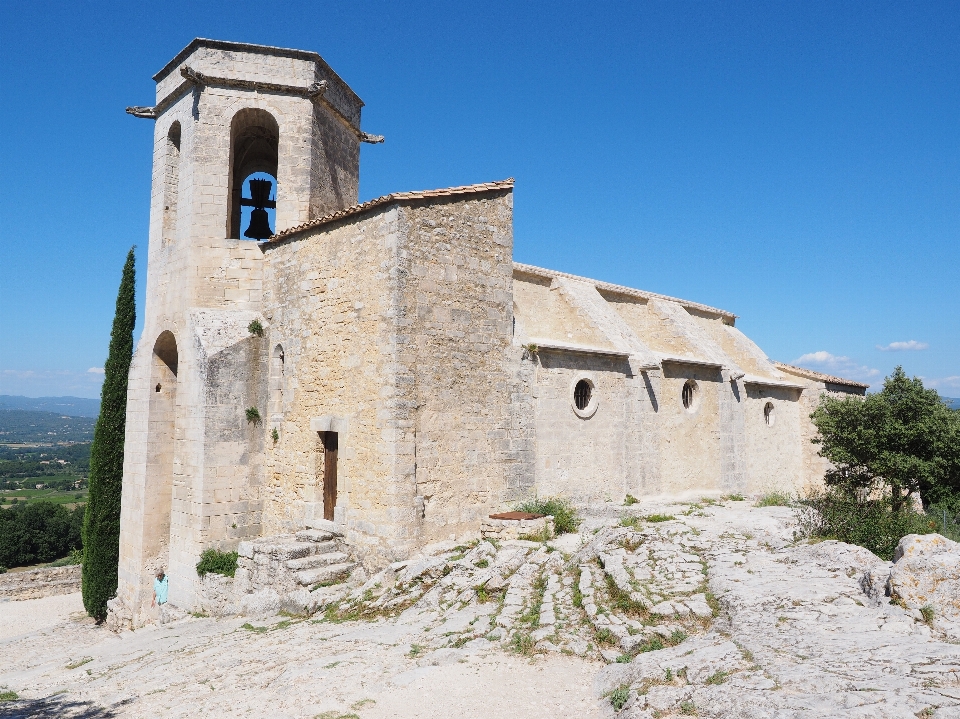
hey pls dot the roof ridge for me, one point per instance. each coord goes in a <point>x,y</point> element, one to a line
<point>623,289</point>
<point>813,374</point>
<point>392,197</point>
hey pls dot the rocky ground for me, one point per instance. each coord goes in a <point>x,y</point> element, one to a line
<point>653,610</point>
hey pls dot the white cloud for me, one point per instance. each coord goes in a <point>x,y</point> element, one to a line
<point>838,365</point>
<point>903,346</point>
<point>949,383</point>
<point>95,370</point>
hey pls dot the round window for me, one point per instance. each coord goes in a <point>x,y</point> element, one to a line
<point>769,415</point>
<point>583,397</point>
<point>689,395</point>
<point>581,394</point>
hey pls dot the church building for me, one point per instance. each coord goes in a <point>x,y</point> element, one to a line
<point>385,369</point>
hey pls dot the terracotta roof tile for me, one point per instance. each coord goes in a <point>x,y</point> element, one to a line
<point>819,376</point>
<point>387,199</point>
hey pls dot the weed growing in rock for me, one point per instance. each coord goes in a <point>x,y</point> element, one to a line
<point>522,643</point>
<point>255,328</point>
<point>415,651</point>
<point>775,498</point>
<point>630,500</point>
<point>928,613</point>
<point>605,636</point>
<point>79,663</point>
<point>363,703</point>
<point>619,697</point>
<point>250,628</point>
<point>565,518</point>
<point>659,518</point>
<point>688,708</point>
<point>213,561</point>
<point>737,497</point>
<point>8,696</point>
<point>628,521</point>
<point>718,677</point>
<point>482,564</point>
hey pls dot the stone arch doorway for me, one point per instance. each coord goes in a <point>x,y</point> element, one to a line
<point>161,435</point>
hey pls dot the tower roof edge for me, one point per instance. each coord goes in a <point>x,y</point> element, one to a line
<point>199,42</point>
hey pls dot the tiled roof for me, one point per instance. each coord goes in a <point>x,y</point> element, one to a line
<point>620,289</point>
<point>819,376</point>
<point>387,199</point>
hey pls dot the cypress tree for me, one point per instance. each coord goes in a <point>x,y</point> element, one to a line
<point>101,523</point>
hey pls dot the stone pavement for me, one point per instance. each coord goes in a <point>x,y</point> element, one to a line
<point>662,609</point>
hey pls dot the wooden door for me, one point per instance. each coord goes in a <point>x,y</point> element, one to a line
<point>330,443</point>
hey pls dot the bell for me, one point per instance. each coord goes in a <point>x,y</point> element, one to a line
<point>259,228</point>
<point>259,225</point>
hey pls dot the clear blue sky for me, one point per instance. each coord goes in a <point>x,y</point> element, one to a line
<point>795,163</point>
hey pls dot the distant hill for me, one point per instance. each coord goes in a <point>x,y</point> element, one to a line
<point>18,426</point>
<point>71,406</point>
<point>952,401</point>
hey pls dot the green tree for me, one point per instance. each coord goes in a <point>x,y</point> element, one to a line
<point>37,532</point>
<point>101,523</point>
<point>903,438</point>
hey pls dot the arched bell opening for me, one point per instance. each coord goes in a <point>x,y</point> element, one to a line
<point>254,157</point>
<point>161,432</point>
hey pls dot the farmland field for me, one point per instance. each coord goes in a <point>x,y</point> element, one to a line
<point>68,498</point>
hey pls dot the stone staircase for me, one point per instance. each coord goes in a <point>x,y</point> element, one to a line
<point>291,562</point>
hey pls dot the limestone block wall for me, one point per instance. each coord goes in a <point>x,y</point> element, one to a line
<point>588,459</point>
<point>331,304</point>
<point>44,582</point>
<point>395,326</point>
<point>690,443</point>
<point>457,367</point>
<point>774,460</point>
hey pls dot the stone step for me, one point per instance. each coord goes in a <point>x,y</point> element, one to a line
<point>330,573</point>
<point>316,560</point>
<point>313,535</point>
<point>286,550</point>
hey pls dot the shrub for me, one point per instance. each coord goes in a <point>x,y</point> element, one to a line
<point>253,415</point>
<point>872,524</point>
<point>255,328</point>
<point>775,498</point>
<point>630,500</point>
<point>213,561</point>
<point>565,519</point>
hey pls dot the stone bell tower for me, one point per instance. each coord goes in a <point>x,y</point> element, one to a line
<point>193,463</point>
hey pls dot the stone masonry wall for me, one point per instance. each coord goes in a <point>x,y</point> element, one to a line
<point>457,366</point>
<point>331,306</point>
<point>37,583</point>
